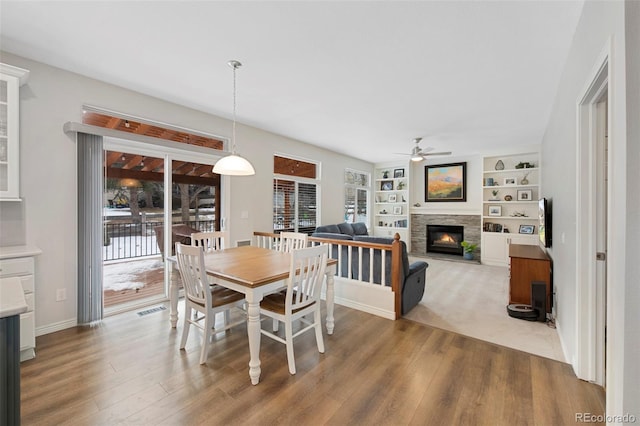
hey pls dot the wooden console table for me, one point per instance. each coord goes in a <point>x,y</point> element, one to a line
<point>527,264</point>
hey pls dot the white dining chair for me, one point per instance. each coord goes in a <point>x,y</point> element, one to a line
<point>301,298</point>
<point>202,298</point>
<point>211,241</point>
<point>290,241</point>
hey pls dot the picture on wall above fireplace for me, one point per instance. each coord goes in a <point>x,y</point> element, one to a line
<point>445,182</point>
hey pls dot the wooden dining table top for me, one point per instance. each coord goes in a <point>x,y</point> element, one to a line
<point>250,266</point>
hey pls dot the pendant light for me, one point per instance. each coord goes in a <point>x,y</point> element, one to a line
<point>233,164</point>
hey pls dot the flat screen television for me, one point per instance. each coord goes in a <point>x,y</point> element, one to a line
<point>544,227</point>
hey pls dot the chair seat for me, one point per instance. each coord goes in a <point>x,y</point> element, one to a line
<point>276,303</point>
<point>224,296</point>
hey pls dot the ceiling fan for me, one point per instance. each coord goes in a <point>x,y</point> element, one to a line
<point>419,154</point>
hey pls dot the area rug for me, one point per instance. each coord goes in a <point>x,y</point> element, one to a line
<point>471,299</point>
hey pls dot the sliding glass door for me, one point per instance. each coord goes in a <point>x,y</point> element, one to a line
<point>133,215</point>
<point>141,208</point>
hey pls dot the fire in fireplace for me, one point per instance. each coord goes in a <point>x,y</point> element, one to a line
<point>445,239</point>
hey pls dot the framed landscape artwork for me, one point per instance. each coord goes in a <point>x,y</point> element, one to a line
<point>445,182</point>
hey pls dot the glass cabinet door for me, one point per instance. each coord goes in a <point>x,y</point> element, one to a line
<point>10,80</point>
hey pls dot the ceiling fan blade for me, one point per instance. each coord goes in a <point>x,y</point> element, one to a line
<point>429,154</point>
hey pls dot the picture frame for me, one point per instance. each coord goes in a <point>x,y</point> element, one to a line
<point>510,181</point>
<point>386,185</point>
<point>398,173</point>
<point>445,182</point>
<point>495,210</point>
<point>397,210</point>
<point>527,229</point>
<point>524,195</point>
<point>392,198</point>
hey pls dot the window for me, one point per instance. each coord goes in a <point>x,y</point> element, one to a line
<point>356,196</point>
<point>295,199</point>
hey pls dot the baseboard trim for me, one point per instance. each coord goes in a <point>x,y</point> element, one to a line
<point>58,326</point>
<point>572,360</point>
<point>365,308</point>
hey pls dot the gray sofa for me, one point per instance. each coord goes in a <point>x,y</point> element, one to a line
<point>413,278</point>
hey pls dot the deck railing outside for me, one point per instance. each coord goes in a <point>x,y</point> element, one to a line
<point>126,240</point>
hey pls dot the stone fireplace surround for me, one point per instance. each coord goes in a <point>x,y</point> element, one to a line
<point>419,222</point>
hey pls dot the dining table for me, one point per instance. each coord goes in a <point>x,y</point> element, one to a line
<point>255,272</point>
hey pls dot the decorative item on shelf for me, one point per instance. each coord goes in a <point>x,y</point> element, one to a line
<point>397,210</point>
<point>499,165</point>
<point>383,211</point>
<point>524,195</point>
<point>508,197</point>
<point>519,214</point>
<point>468,248</point>
<point>416,205</point>
<point>524,165</point>
<point>524,180</point>
<point>495,211</point>
<point>401,184</point>
<point>494,192</point>
<point>509,181</point>
<point>527,229</point>
<point>488,181</point>
<point>505,230</point>
<point>403,200</point>
<point>233,164</point>
<point>380,223</point>
<point>398,173</point>
<point>492,227</point>
<point>392,198</point>
<point>385,174</point>
<point>386,185</point>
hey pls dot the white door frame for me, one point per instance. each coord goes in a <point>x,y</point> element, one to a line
<point>590,306</point>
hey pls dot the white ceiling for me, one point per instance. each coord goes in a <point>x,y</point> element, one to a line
<point>360,78</point>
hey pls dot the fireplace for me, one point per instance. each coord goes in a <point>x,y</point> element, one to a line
<point>445,239</point>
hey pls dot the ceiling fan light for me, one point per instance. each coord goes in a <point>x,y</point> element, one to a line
<point>234,165</point>
<point>416,158</point>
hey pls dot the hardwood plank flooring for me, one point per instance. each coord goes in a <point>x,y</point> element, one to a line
<point>129,370</point>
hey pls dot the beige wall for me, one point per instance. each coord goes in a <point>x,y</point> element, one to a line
<point>601,24</point>
<point>47,216</point>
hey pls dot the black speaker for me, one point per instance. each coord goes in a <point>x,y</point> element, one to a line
<point>539,299</point>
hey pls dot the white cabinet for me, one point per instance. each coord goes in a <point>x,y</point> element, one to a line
<point>495,246</point>
<point>391,201</point>
<point>12,264</point>
<point>11,78</point>
<point>510,192</point>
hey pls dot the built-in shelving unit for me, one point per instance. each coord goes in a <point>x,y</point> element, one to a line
<point>391,200</point>
<point>510,193</point>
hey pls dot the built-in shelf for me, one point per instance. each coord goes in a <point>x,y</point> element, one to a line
<point>513,196</point>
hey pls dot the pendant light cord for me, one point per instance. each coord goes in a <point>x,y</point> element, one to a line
<point>234,65</point>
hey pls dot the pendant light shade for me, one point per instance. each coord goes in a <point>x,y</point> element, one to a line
<point>234,164</point>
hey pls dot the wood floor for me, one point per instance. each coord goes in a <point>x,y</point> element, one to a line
<point>374,372</point>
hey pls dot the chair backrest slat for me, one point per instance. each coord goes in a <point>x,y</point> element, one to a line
<point>211,241</point>
<point>306,274</point>
<point>193,273</point>
<point>290,241</point>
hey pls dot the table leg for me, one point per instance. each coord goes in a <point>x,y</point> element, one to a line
<point>173,300</point>
<point>253,331</point>
<point>330,297</point>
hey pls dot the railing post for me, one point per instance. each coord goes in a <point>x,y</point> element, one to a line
<point>396,265</point>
